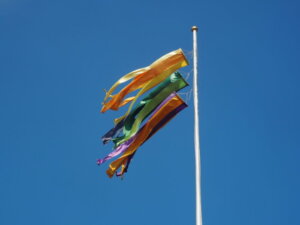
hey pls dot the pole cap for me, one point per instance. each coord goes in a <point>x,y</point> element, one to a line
<point>194,28</point>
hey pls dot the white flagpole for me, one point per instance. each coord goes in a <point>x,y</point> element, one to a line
<point>196,131</point>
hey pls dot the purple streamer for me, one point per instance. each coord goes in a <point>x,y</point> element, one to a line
<point>120,149</point>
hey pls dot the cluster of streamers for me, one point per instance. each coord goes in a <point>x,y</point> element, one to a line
<point>156,109</point>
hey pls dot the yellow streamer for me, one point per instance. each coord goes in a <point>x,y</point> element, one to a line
<point>157,71</point>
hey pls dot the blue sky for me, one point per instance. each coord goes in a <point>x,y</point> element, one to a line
<point>56,58</point>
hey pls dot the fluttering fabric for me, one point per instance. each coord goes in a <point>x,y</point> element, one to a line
<point>162,114</point>
<point>131,124</point>
<point>119,150</point>
<point>157,108</point>
<point>123,147</point>
<point>125,164</point>
<point>144,79</point>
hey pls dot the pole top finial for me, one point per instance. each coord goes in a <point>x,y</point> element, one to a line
<point>194,28</point>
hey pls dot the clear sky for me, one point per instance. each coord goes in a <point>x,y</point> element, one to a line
<point>57,56</point>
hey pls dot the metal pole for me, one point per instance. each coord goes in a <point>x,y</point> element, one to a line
<point>196,131</point>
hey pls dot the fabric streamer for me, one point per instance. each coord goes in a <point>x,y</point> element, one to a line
<point>162,114</point>
<point>131,124</point>
<point>122,148</point>
<point>162,123</point>
<point>131,127</point>
<point>144,79</point>
<point>147,87</point>
<point>119,150</point>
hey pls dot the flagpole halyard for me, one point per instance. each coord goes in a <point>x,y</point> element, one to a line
<point>196,130</point>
